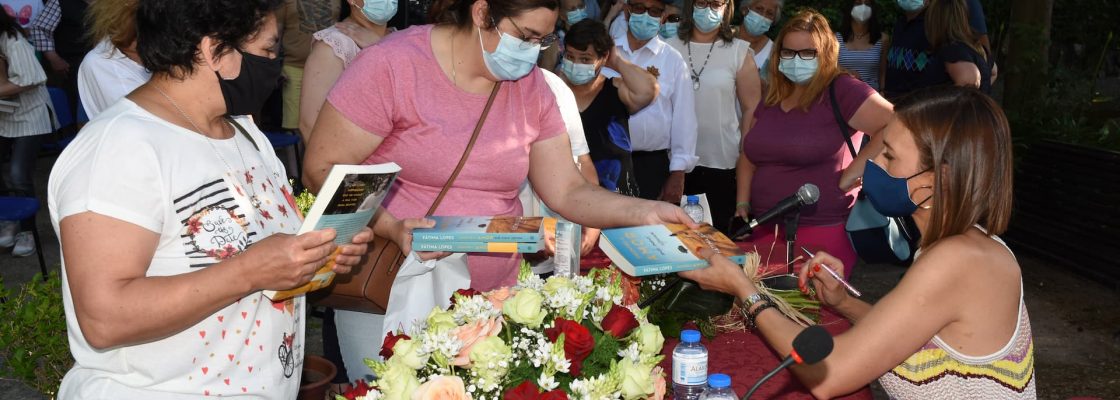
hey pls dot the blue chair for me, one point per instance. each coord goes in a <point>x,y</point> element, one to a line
<point>19,209</point>
<point>82,117</point>
<point>61,106</point>
<point>280,140</point>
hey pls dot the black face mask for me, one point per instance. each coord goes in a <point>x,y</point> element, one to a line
<point>247,93</point>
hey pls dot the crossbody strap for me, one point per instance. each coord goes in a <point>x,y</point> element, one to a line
<point>845,130</point>
<point>467,152</point>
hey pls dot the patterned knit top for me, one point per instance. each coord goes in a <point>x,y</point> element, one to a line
<point>937,371</point>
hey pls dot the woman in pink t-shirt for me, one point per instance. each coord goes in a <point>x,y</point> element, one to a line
<point>414,99</point>
<point>795,138</point>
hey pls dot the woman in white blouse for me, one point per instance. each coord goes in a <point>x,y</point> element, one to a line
<point>727,87</point>
<point>112,69</point>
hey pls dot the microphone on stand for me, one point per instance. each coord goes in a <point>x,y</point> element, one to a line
<point>809,347</point>
<point>807,194</point>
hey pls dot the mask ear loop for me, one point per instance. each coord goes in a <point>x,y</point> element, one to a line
<point>928,198</point>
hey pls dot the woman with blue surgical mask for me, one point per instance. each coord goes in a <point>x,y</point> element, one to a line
<point>571,13</point>
<point>758,17</point>
<point>606,104</point>
<point>416,99</point>
<point>727,87</point>
<point>796,137</point>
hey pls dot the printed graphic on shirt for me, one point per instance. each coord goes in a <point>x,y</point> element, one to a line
<point>906,59</point>
<point>214,225</point>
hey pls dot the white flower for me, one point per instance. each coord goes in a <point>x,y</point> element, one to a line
<point>547,382</point>
<point>631,352</point>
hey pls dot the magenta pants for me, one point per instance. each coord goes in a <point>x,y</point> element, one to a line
<point>832,239</point>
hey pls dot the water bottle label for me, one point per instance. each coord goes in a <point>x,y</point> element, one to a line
<point>690,369</point>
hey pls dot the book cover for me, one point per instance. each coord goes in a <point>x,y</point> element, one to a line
<point>347,201</point>
<point>478,247</point>
<point>482,229</point>
<point>659,249</point>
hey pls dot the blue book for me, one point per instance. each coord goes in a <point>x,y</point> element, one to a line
<point>660,249</point>
<point>482,229</point>
<point>478,247</point>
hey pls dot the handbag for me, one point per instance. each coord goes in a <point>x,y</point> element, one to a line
<point>875,237</point>
<point>366,288</point>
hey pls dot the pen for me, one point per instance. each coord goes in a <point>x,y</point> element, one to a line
<point>835,275</point>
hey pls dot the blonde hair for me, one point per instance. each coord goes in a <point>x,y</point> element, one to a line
<point>114,20</point>
<point>828,52</point>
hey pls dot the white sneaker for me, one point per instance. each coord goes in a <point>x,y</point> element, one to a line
<point>25,245</point>
<point>8,233</point>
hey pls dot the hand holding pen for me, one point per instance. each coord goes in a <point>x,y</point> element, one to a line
<point>821,266</point>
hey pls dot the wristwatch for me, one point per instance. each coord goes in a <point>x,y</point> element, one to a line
<point>751,300</point>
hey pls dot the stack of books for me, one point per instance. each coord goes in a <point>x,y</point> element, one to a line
<point>481,235</point>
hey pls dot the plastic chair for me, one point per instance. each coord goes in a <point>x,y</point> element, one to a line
<point>19,209</point>
<point>61,104</point>
<point>280,140</point>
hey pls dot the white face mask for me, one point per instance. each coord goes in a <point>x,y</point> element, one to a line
<point>861,12</point>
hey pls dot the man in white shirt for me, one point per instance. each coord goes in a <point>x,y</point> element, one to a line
<point>663,135</point>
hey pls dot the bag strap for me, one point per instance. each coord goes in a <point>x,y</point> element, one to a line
<point>467,152</point>
<point>243,131</point>
<point>845,130</point>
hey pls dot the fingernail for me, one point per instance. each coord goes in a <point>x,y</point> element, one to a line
<point>817,268</point>
<point>699,248</point>
<point>810,274</point>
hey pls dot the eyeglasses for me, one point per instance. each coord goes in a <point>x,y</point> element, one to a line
<point>527,42</point>
<point>713,4</point>
<point>672,19</point>
<point>804,54</point>
<point>641,8</point>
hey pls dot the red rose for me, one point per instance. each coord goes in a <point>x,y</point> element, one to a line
<point>619,321</point>
<point>359,388</point>
<point>464,293</point>
<point>578,342</point>
<point>555,394</point>
<point>527,390</point>
<point>387,344</point>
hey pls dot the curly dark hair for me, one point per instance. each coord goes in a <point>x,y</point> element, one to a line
<point>589,33</point>
<point>457,13</point>
<point>169,31</point>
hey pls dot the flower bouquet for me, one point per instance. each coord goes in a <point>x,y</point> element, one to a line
<point>541,339</point>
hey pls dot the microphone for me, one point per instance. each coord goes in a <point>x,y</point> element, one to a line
<point>810,346</point>
<point>807,194</point>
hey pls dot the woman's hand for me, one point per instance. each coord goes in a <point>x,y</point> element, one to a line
<point>721,275</point>
<point>590,240</point>
<point>829,291</point>
<point>660,212</point>
<point>403,237</point>
<point>282,261</point>
<point>362,37</point>
<point>350,255</point>
<point>743,211</point>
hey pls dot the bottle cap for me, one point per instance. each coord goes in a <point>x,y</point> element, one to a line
<point>690,336</point>
<point>719,381</point>
<point>693,199</point>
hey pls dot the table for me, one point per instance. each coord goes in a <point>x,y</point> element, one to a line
<point>743,355</point>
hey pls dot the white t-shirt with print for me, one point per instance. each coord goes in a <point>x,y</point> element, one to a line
<point>130,165</point>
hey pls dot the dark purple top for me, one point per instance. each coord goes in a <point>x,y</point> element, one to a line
<point>789,149</point>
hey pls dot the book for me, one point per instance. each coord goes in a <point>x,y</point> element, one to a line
<point>660,249</point>
<point>347,201</point>
<point>478,247</point>
<point>8,107</point>
<point>482,229</point>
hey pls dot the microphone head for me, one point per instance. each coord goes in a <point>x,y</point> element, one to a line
<point>808,193</point>
<point>812,345</point>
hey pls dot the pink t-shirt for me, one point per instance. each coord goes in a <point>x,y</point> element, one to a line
<point>796,147</point>
<point>396,90</point>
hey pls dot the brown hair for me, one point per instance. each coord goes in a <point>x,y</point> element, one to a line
<point>947,23</point>
<point>963,136</point>
<point>828,52</point>
<point>458,12</point>
<point>725,32</point>
<point>114,20</point>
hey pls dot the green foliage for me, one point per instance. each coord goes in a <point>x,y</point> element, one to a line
<point>604,353</point>
<point>33,342</point>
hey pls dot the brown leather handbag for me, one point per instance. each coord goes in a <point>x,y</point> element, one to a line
<point>366,288</point>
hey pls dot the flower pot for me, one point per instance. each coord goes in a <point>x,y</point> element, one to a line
<point>317,375</point>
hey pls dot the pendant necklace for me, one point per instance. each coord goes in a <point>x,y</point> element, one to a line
<point>692,69</point>
<point>253,198</point>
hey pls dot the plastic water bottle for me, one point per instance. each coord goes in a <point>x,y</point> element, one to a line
<point>693,208</point>
<point>690,367</point>
<point>719,388</point>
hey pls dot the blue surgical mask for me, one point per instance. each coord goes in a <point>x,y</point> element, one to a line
<point>379,11</point>
<point>643,26</point>
<point>512,59</point>
<point>911,5</point>
<point>889,195</point>
<point>756,24</point>
<point>577,15</point>
<point>669,30</point>
<point>707,19</point>
<point>797,70</point>
<point>578,74</point>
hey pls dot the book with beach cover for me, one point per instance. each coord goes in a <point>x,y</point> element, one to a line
<point>659,249</point>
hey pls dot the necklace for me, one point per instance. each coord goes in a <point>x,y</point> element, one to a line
<point>253,198</point>
<point>858,36</point>
<point>692,69</point>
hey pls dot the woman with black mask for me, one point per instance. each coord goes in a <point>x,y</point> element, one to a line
<point>174,213</point>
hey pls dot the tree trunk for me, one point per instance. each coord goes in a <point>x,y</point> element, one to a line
<point>1027,64</point>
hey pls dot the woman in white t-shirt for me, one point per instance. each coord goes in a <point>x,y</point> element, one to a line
<point>728,89</point>
<point>112,69</point>
<point>173,217</point>
<point>758,17</point>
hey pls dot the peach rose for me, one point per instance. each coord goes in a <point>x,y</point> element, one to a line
<point>470,334</point>
<point>499,296</point>
<point>442,388</point>
<point>658,384</point>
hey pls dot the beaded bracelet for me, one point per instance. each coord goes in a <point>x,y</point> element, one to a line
<point>752,317</point>
<point>743,204</point>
